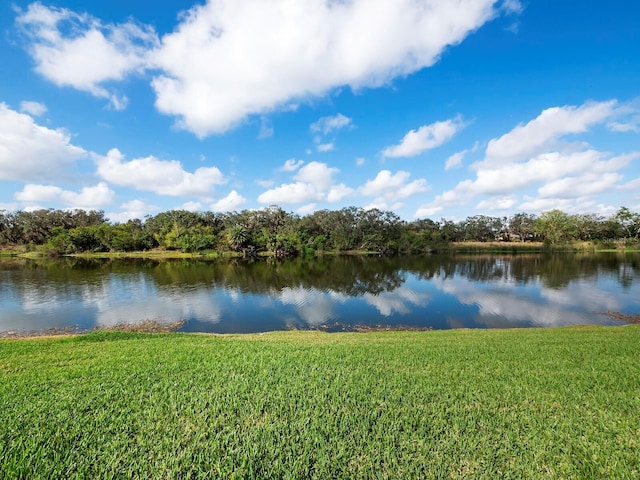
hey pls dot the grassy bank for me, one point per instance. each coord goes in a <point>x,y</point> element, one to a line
<point>518,247</point>
<point>538,247</point>
<point>557,403</point>
<point>453,247</point>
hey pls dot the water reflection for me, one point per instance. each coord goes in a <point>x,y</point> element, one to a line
<point>234,296</point>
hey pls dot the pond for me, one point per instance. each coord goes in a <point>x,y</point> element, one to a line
<point>328,293</point>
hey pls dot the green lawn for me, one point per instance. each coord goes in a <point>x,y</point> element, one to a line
<point>553,403</point>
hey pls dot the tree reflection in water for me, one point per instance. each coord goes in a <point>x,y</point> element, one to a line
<point>438,291</point>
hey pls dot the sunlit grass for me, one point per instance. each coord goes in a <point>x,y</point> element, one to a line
<point>556,403</point>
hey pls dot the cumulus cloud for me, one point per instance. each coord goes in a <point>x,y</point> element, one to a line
<point>77,50</point>
<point>88,198</point>
<point>329,124</point>
<point>541,133</point>
<point>313,182</point>
<point>307,209</point>
<point>164,177</point>
<point>539,155</point>
<point>338,192</point>
<point>392,187</point>
<point>9,207</point>
<point>389,189</point>
<point>291,51</point>
<point>191,206</point>
<point>425,138</point>
<point>31,152</point>
<point>290,193</point>
<point>317,173</point>
<point>229,203</point>
<point>132,209</point>
<point>227,60</point>
<point>497,203</point>
<point>35,109</point>
<point>545,167</point>
<point>588,184</point>
<point>552,171</point>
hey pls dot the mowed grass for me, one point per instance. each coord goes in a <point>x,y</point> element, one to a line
<point>555,403</point>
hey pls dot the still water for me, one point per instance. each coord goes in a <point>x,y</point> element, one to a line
<point>232,296</point>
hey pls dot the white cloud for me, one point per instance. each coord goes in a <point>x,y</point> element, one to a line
<point>428,210</point>
<point>307,209</point>
<point>541,133</point>
<point>512,6</point>
<point>132,209</point>
<point>338,192</point>
<point>229,203</point>
<point>497,203</point>
<point>88,198</point>
<point>425,138</point>
<point>546,167</point>
<point>389,189</point>
<point>291,165</point>
<point>266,129</point>
<point>360,161</point>
<point>191,206</point>
<point>31,152</point>
<point>317,173</point>
<point>325,147</point>
<point>9,207</point>
<point>534,205</point>
<point>264,183</point>
<point>582,185</point>
<point>290,52</point>
<point>160,176</point>
<point>537,155</point>
<point>290,193</point>
<point>314,182</point>
<point>76,50</point>
<point>380,204</point>
<point>393,186</point>
<point>633,126</point>
<point>228,59</point>
<point>327,125</point>
<point>455,160</point>
<point>633,185</point>
<point>35,109</point>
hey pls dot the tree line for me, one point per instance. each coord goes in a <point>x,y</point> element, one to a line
<point>282,233</point>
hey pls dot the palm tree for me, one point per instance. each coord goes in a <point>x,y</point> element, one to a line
<point>237,236</point>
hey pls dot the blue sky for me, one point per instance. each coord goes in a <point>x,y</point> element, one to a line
<point>428,108</point>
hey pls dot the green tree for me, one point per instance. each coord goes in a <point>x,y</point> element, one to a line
<point>555,227</point>
<point>522,226</point>
<point>629,223</point>
<point>237,237</point>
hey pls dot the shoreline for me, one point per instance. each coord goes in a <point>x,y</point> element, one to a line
<point>497,247</point>
<point>155,327</point>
